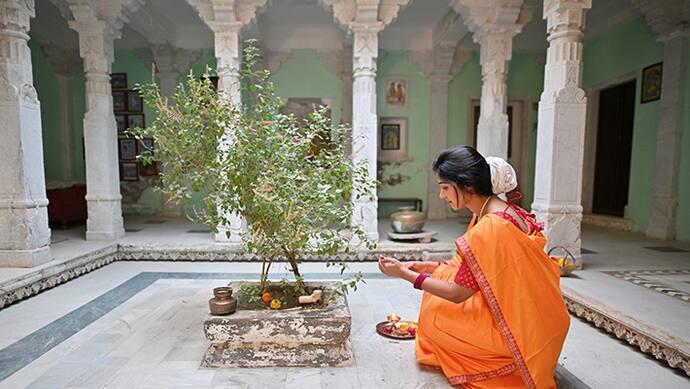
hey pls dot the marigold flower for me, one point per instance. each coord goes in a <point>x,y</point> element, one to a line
<point>266,297</point>
<point>275,304</point>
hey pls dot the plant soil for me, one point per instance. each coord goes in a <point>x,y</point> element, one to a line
<point>286,295</point>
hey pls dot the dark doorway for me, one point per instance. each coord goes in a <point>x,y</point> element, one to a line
<point>614,148</point>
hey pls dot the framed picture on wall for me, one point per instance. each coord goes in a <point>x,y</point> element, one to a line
<point>118,80</point>
<point>128,148</point>
<point>651,83</point>
<point>135,103</point>
<point>392,139</point>
<point>396,92</point>
<point>129,171</point>
<point>134,121</point>
<point>119,102</point>
<point>121,121</point>
<point>390,136</point>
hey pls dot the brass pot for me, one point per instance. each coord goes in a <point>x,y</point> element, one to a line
<point>406,220</point>
<point>222,302</point>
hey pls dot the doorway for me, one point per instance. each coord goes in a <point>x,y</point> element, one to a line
<point>613,149</point>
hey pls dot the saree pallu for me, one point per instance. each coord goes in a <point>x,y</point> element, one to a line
<point>510,334</point>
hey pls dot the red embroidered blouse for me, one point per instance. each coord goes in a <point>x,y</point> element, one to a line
<point>464,276</point>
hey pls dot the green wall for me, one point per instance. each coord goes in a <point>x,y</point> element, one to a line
<point>607,58</point>
<point>526,81</point>
<point>417,111</point>
<point>304,74</point>
<point>464,87</point>
<point>48,89</point>
<point>683,212</point>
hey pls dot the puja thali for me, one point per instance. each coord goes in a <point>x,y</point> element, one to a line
<point>401,330</point>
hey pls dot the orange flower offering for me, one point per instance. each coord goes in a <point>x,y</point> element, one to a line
<point>266,297</point>
<point>275,304</point>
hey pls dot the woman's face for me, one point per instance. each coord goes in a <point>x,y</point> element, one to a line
<point>451,194</point>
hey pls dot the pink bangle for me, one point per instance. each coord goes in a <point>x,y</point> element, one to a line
<point>419,280</point>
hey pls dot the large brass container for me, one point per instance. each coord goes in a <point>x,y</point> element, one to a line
<point>406,220</point>
<point>222,302</point>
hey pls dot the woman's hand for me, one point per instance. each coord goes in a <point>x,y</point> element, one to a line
<point>392,267</point>
<point>422,266</point>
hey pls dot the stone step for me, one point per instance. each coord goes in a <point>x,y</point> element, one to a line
<point>650,340</point>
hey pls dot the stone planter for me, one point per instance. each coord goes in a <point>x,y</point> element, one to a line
<point>267,338</point>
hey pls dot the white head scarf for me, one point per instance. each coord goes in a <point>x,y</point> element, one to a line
<point>503,178</point>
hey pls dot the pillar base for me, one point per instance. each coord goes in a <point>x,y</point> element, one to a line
<point>105,235</point>
<point>25,258</point>
<point>562,227</point>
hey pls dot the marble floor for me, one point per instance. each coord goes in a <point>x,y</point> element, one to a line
<point>139,325</point>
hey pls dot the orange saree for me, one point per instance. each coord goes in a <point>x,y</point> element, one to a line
<point>508,335</point>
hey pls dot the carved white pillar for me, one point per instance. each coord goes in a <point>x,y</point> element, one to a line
<point>227,48</point>
<point>364,119</point>
<point>100,132</point>
<point>225,18</point>
<point>24,232</point>
<point>662,221</point>
<point>493,23</point>
<point>561,127</point>
<point>171,64</point>
<point>492,130</point>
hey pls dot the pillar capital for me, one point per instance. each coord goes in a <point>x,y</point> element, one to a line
<point>565,16</point>
<point>15,15</point>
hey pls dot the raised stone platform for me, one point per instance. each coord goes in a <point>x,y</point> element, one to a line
<point>421,237</point>
<point>283,338</point>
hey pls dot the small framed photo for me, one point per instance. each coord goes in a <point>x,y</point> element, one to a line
<point>651,83</point>
<point>390,136</point>
<point>148,170</point>
<point>396,92</point>
<point>129,171</point>
<point>392,139</point>
<point>121,121</point>
<point>128,149</point>
<point>118,80</point>
<point>134,121</point>
<point>119,102</point>
<point>145,147</point>
<point>135,103</point>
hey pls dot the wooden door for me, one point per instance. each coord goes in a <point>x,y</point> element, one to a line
<point>614,148</point>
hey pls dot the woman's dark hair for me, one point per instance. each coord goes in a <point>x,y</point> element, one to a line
<point>465,167</point>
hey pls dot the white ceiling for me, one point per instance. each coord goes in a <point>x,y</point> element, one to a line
<point>288,24</point>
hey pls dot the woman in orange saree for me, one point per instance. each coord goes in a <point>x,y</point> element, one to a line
<point>493,316</point>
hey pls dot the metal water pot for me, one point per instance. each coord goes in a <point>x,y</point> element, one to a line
<point>406,220</point>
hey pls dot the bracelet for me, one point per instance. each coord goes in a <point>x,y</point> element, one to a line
<point>419,280</point>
